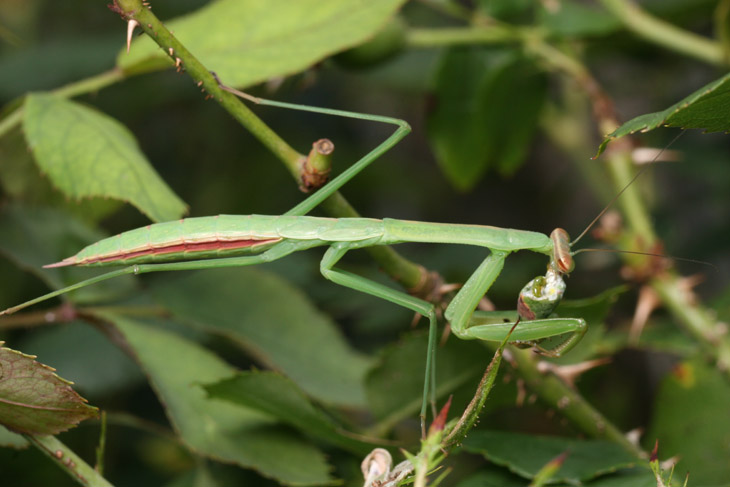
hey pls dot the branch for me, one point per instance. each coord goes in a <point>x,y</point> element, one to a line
<point>65,458</point>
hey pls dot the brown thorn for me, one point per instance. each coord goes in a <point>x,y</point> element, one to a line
<point>569,373</point>
<point>130,31</point>
<point>646,304</point>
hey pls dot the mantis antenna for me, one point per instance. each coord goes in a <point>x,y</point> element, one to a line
<point>616,197</point>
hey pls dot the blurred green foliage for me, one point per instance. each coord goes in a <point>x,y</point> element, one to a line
<point>501,137</point>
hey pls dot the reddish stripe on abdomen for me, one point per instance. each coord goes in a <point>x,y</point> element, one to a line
<point>191,247</point>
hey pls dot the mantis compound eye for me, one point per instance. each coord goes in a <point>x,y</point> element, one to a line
<point>539,298</point>
<point>562,259</point>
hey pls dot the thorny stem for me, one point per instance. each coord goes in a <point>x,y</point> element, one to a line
<point>78,469</point>
<point>567,401</point>
<point>407,273</point>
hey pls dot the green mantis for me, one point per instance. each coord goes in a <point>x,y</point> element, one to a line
<point>237,240</point>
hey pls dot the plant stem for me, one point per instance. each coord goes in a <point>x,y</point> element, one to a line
<point>494,34</point>
<point>664,34</point>
<point>65,458</point>
<point>568,401</point>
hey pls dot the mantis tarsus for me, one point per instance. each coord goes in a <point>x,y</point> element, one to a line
<point>235,240</point>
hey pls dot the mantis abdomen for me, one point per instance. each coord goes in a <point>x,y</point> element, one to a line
<point>232,235</point>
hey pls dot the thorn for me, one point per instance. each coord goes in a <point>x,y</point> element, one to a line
<point>569,373</point>
<point>648,301</point>
<point>634,436</point>
<point>130,30</point>
<point>440,421</point>
<point>486,305</point>
<point>654,453</point>
<point>669,463</point>
<point>170,51</point>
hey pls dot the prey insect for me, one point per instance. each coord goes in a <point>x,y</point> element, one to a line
<point>242,240</point>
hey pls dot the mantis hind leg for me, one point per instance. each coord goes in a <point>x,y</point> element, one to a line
<point>362,284</point>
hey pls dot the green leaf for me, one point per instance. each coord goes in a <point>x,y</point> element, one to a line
<point>707,108</point>
<point>34,400</point>
<point>525,454</point>
<point>86,153</point>
<point>249,41</point>
<point>273,321</point>
<point>690,419</point>
<point>276,395</point>
<point>486,113</point>
<point>22,182</point>
<point>35,237</point>
<point>176,368</point>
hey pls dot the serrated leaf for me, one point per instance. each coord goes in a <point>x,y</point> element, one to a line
<point>525,454</point>
<point>250,41</point>
<point>486,113</point>
<point>86,153</point>
<point>23,183</point>
<point>276,395</point>
<point>273,321</point>
<point>690,419</point>
<point>176,368</point>
<point>35,237</point>
<point>34,400</point>
<point>707,108</point>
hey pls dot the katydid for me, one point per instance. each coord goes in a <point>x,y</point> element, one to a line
<point>237,240</point>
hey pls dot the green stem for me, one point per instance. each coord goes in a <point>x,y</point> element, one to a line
<point>664,34</point>
<point>567,401</point>
<point>65,458</point>
<point>494,34</point>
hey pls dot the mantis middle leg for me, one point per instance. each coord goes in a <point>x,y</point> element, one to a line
<point>363,284</point>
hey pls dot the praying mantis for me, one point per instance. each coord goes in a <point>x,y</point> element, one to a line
<point>242,240</point>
